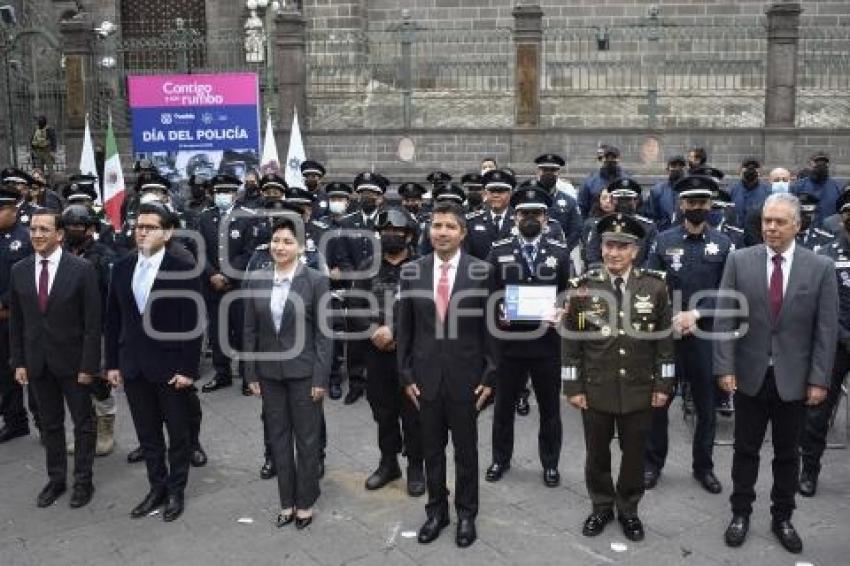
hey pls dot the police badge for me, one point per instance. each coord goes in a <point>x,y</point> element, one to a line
<point>14,245</point>
<point>712,248</point>
<point>551,262</point>
<point>235,234</point>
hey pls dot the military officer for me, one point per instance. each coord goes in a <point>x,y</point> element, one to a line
<point>564,208</point>
<point>227,231</point>
<point>313,172</point>
<point>811,236</point>
<point>692,255</point>
<point>625,193</point>
<point>529,344</point>
<point>617,363</point>
<point>473,186</point>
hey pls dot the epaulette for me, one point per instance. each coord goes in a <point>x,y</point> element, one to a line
<point>248,210</point>
<point>210,207</point>
<point>662,275</point>
<point>320,224</point>
<point>643,219</point>
<point>475,214</point>
<point>502,242</point>
<point>557,243</point>
<point>824,233</point>
<point>577,282</point>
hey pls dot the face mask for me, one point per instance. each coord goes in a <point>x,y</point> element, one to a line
<point>780,186</point>
<point>198,192</point>
<point>74,238</point>
<point>223,200</point>
<point>819,172</point>
<point>609,168</point>
<point>474,199</point>
<point>530,227</point>
<point>393,243</point>
<point>806,221</point>
<point>696,217</point>
<point>337,206</point>
<point>750,175</point>
<point>251,188</point>
<point>675,175</point>
<point>548,181</point>
<point>368,205</point>
<point>625,206</point>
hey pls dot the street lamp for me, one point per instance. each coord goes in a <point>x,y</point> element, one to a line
<point>256,31</point>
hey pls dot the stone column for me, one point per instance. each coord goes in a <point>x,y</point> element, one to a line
<point>528,42</point>
<point>77,37</point>
<point>780,100</point>
<point>290,64</point>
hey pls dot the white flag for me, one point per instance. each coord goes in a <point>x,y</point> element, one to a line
<point>87,163</point>
<point>295,156</point>
<point>113,179</point>
<point>270,162</point>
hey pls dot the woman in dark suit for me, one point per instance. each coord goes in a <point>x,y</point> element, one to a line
<point>288,365</point>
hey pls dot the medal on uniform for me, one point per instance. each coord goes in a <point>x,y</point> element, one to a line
<point>643,305</point>
<point>605,331</point>
<point>25,218</point>
<point>551,262</point>
<point>712,248</point>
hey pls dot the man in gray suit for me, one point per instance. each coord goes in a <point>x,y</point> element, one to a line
<point>777,361</point>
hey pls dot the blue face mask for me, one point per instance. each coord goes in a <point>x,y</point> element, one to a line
<point>223,200</point>
<point>780,186</point>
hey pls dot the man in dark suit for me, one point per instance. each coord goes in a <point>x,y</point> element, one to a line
<point>153,347</point>
<point>447,361</point>
<point>55,325</point>
<point>777,361</point>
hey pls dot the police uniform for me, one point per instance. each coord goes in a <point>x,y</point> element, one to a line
<point>14,246</point>
<point>82,189</point>
<point>693,263</point>
<point>311,167</point>
<point>616,362</point>
<point>821,185</point>
<point>520,262</point>
<point>473,186</point>
<point>626,189</point>
<point>564,208</point>
<point>13,179</point>
<point>812,237</point>
<point>661,204</point>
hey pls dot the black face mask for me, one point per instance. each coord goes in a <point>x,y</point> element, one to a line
<point>413,208</point>
<point>625,206</point>
<point>393,243</point>
<point>696,217</point>
<point>675,175</point>
<point>548,181</point>
<point>530,227</point>
<point>806,221</point>
<point>251,189</point>
<point>74,238</point>
<point>368,205</point>
<point>198,192</point>
<point>609,169</point>
<point>750,176</point>
<point>819,173</point>
<point>474,199</point>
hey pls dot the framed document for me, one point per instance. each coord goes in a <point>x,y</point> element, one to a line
<point>530,303</point>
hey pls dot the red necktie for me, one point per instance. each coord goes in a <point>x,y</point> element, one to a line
<point>443,291</point>
<point>776,287</point>
<point>43,279</point>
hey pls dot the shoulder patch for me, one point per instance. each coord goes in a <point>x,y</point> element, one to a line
<point>734,228</point>
<point>824,233</point>
<point>662,275</point>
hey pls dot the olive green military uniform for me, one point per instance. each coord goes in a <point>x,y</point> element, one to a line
<point>617,357</point>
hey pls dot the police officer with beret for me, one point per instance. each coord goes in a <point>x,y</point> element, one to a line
<point>692,255</point>
<point>811,236</point>
<point>617,363</point>
<point>625,193</point>
<point>528,261</point>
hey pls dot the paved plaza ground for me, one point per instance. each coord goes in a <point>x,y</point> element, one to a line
<point>230,512</point>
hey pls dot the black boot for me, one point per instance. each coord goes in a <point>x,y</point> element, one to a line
<point>387,471</point>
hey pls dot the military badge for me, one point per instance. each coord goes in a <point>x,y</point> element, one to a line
<point>605,331</point>
<point>643,305</point>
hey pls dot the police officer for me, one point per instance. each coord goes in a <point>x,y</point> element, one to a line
<point>564,208</point>
<point>810,236</point>
<point>14,246</point>
<point>251,197</point>
<point>749,193</point>
<point>661,205</point>
<point>820,184</point>
<point>609,170</point>
<point>473,186</point>
<point>495,221</point>
<point>198,201</point>
<point>226,232</point>
<point>40,193</point>
<point>313,172</point>
<point>436,179</point>
<point>722,217</point>
<point>314,230</point>
<point>813,438</point>
<point>411,199</point>
<point>399,430</point>
<point>530,344</point>
<point>82,189</point>
<point>149,188</point>
<point>692,255</point>
<point>625,193</point>
<point>19,182</point>
<point>617,363</point>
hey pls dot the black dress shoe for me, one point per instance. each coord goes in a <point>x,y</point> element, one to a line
<point>595,523</point>
<point>385,473</point>
<point>81,495</point>
<point>246,391</point>
<point>354,393</point>
<point>283,520</point>
<point>496,471</point>
<point>808,484</point>
<point>632,528</point>
<point>8,433</point>
<point>709,482</point>
<point>50,494</point>
<point>173,507</point>
<point>787,535</point>
<point>335,391</point>
<point>216,383</point>
<point>416,485</point>
<point>303,522</point>
<point>650,478</point>
<point>522,406</point>
<point>198,458</point>
<point>736,532</point>
<point>551,477</point>
<point>466,534</point>
<point>151,502</point>
<point>135,456</point>
<point>268,471</point>
<point>431,529</point>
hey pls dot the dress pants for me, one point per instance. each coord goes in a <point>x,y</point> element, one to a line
<point>152,405</point>
<point>510,381</point>
<point>397,418</point>
<point>694,366</point>
<point>12,409</point>
<point>356,352</point>
<point>231,328</point>
<point>786,420</point>
<point>440,416</point>
<point>632,429</point>
<point>813,438</point>
<point>196,415</point>
<point>53,393</point>
<point>293,421</point>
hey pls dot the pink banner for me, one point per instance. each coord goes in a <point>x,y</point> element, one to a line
<point>174,91</point>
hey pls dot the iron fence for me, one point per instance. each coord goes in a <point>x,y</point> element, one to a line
<point>823,78</point>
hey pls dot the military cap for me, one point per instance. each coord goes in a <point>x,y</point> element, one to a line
<point>438,177</point>
<point>8,196</point>
<point>310,166</point>
<point>819,156</point>
<point>368,181</point>
<point>337,189</point>
<point>808,202</point>
<point>411,190</point>
<point>281,204</point>
<point>531,198</point>
<point>680,159</point>
<point>550,161</point>
<point>80,186</point>
<point>751,162</point>
<point>473,179</point>
<point>225,182</point>
<point>155,182</point>
<point>299,195</point>
<point>696,186</point>
<point>499,180</point>
<point>624,187</point>
<point>450,192</point>
<point>610,150</point>
<point>273,181</point>
<point>394,217</point>
<point>16,176</point>
<point>843,202</point>
<point>78,214</point>
<point>620,227</point>
<point>709,171</point>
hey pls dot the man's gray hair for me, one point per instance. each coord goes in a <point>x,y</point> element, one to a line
<point>787,199</point>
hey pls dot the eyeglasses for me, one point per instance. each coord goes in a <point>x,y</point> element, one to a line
<point>144,228</point>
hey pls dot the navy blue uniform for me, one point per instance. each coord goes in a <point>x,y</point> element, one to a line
<point>565,211</point>
<point>661,205</point>
<point>815,239</point>
<point>482,231</point>
<point>592,186</point>
<point>827,193</point>
<point>693,263</point>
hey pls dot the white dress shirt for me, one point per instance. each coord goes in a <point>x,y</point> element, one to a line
<point>787,260</point>
<point>281,284</point>
<point>52,266</point>
<point>453,263</point>
<point>152,264</point>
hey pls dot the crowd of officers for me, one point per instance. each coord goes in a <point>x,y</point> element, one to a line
<point>541,231</point>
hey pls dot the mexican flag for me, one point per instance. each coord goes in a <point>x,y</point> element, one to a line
<point>113,179</point>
